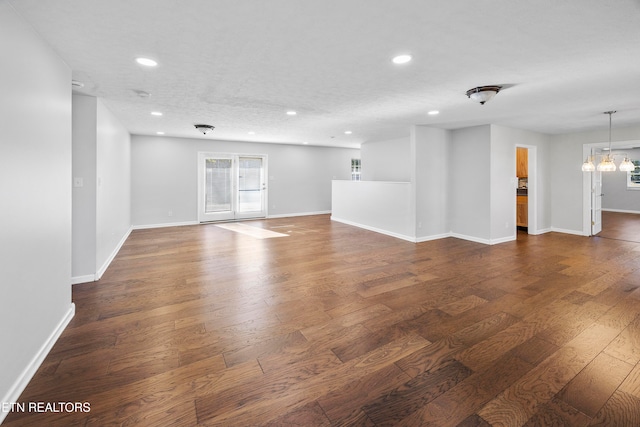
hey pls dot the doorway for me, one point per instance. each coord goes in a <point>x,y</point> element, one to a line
<point>526,190</point>
<point>231,186</point>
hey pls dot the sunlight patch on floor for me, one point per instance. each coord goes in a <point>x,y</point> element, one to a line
<point>258,233</point>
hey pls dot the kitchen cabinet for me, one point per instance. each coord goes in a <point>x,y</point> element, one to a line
<point>522,211</point>
<point>522,162</point>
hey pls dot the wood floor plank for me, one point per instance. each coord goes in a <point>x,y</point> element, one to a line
<point>621,409</point>
<point>336,325</point>
<point>344,405</point>
<point>415,393</point>
<point>521,400</point>
<point>591,388</point>
<point>557,413</point>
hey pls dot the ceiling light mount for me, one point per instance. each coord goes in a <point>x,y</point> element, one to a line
<point>483,94</point>
<point>205,129</point>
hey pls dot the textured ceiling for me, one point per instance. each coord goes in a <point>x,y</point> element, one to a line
<point>240,65</point>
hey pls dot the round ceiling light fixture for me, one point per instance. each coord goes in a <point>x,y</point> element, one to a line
<point>205,129</point>
<point>401,59</point>
<point>483,94</point>
<point>147,62</point>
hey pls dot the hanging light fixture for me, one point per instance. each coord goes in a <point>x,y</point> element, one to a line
<point>627,165</point>
<point>607,164</point>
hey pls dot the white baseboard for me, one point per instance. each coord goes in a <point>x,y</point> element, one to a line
<point>167,224</point>
<point>541,231</point>
<point>433,237</point>
<point>471,238</point>
<point>502,240</point>
<point>299,214</point>
<point>83,279</point>
<point>21,383</point>
<point>106,264</point>
<point>566,231</point>
<point>377,230</point>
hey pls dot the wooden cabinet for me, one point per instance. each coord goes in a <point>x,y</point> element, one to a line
<point>522,162</point>
<point>522,211</point>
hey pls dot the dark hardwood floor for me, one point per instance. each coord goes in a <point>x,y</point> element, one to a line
<point>620,226</point>
<point>334,325</point>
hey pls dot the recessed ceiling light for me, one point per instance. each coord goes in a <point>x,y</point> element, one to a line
<point>160,133</point>
<point>146,62</point>
<point>401,59</point>
<point>291,113</point>
<point>251,133</point>
<point>433,113</point>
<point>347,132</point>
<point>156,113</point>
<point>305,143</point>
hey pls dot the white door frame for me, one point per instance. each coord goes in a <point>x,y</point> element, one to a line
<point>233,214</point>
<point>587,200</point>
<point>532,189</point>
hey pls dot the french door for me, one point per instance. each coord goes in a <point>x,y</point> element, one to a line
<point>596,202</point>
<point>231,186</point>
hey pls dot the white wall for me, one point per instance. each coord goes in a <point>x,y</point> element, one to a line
<point>614,187</point>
<point>502,185</point>
<point>388,160</point>
<point>35,186</point>
<point>503,158</point>
<point>384,207</point>
<point>566,182</point>
<point>84,197</point>
<point>431,161</point>
<point>102,206</point>
<point>113,186</point>
<point>469,183</point>
<point>164,176</point>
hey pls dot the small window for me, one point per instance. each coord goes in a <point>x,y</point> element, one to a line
<point>633,177</point>
<point>355,169</point>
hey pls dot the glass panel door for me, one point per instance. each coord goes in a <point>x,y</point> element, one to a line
<point>251,187</point>
<point>596,203</point>
<point>231,187</point>
<point>215,188</point>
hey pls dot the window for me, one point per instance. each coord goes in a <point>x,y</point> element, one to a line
<point>355,169</point>
<point>633,177</point>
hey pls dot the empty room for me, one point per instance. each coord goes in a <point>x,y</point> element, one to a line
<point>320,213</point>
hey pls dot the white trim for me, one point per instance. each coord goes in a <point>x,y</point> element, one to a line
<point>299,214</point>
<point>29,371</point>
<point>167,224</point>
<point>565,231</point>
<point>377,230</point>
<point>106,264</point>
<point>83,279</point>
<point>484,241</point>
<point>621,211</point>
<point>502,240</point>
<point>471,238</point>
<point>427,238</point>
<point>433,237</point>
<point>532,188</point>
<point>542,231</point>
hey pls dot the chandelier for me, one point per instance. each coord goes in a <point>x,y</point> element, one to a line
<point>607,164</point>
